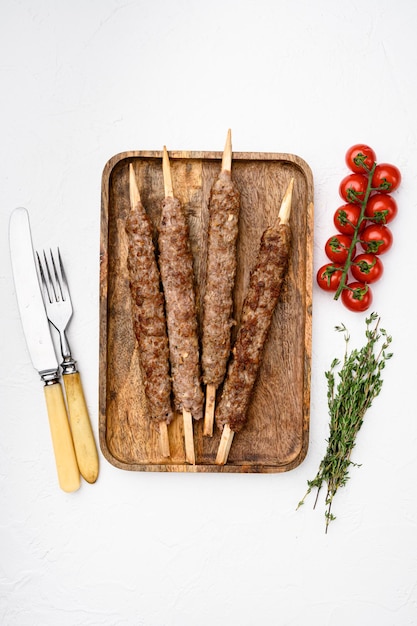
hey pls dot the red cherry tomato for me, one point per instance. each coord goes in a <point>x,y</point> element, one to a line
<point>367,268</point>
<point>347,217</point>
<point>329,277</point>
<point>337,248</point>
<point>382,208</point>
<point>358,154</point>
<point>357,296</point>
<point>386,178</point>
<point>353,188</point>
<point>376,238</point>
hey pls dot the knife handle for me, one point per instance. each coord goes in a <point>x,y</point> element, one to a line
<point>65,459</point>
<point>82,434</point>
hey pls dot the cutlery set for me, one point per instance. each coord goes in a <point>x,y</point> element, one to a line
<point>40,308</point>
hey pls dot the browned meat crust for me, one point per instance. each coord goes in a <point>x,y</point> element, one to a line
<point>263,292</point>
<point>176,266</point>
<point>148,314</point>
<point>221,269</point>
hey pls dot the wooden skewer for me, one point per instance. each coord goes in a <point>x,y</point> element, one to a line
<point>134,196</point>
<point>210,388</point>
<point>164,439</point>
<point>227,434</point>
<point>285,208</point>
<point>187,420</point>
<point>227,153</point>
<point>209,409</point>
<point>166,171</point>
<point>186,415</point>
<point>225,445</point>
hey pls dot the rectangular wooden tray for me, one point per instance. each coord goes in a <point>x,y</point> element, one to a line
<point>275,438</point>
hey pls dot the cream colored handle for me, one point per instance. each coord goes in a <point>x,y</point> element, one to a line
<point>82,434</point>
<point>66,462</point>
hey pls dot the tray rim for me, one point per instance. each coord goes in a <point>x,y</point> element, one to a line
<point>258,468</point>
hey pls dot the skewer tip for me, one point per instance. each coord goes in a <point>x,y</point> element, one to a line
<point>188,437</point>
<point>285,209</point>
<point>227,153</point>
<point>164,439</point>
<point>133,187</point>
<point>166,170</point>
<point>225,445</point>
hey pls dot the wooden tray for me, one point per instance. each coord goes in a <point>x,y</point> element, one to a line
<point>276,436</point>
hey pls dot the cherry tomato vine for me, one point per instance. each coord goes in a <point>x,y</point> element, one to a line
<point>361,221</point>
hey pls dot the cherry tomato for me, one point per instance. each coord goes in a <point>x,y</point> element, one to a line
<point>353,188</point>
<point>382,208</point>
<point>376,238</point>
<point>386,178</point>
<point>337,248</point>
<point>357,154</point>
<point>367,268</point>
<point>347,217</point>
<point>329,277</point>
<point>357,296</point>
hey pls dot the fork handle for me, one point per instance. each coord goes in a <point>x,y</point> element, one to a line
<point>82,434</point>
<point>65,459</point>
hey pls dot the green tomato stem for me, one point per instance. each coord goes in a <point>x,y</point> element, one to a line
<point>356,238</point>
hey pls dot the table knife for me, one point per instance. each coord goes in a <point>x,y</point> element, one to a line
<point>41,347</point>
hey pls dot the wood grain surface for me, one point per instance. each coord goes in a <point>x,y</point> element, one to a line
<point>276,436</point>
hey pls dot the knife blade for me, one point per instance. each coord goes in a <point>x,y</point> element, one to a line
<point>40,346</point>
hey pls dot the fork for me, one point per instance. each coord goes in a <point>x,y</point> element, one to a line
<point>58,306</point>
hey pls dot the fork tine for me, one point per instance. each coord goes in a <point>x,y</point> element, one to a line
<point>43,278</point>
<point>58,280</point>
<point>51,289</point>
<point>64,282</point>
<point>54,277</point>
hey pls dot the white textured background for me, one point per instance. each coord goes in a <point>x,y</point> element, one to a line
<point>82,80</point>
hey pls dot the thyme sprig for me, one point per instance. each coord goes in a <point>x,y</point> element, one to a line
<point>359,383</point>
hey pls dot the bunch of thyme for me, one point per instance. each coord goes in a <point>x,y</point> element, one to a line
<point>359,383</point>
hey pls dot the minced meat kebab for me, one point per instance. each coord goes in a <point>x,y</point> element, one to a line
<point>148,312</point>
<point>224,207</point>
<point>177,273</point>
<point>261,299</point>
